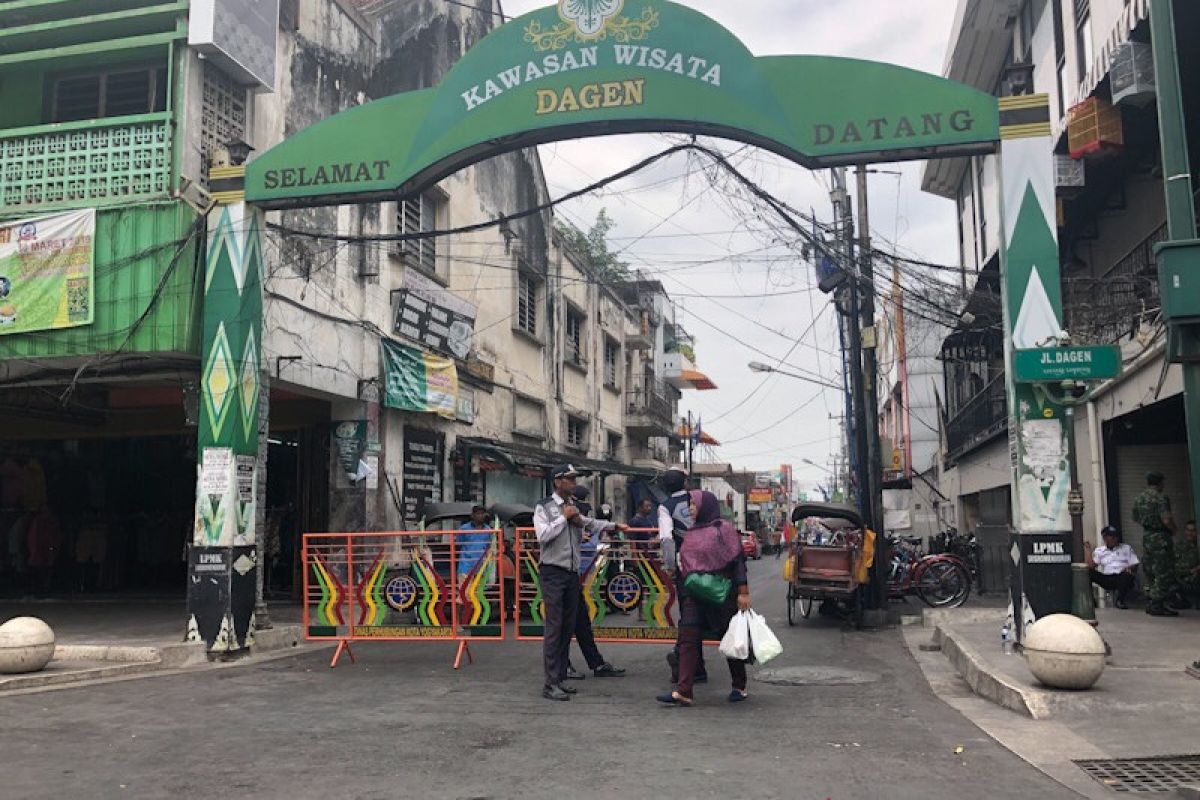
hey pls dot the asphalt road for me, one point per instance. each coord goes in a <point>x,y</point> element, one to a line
<point>402,723</point>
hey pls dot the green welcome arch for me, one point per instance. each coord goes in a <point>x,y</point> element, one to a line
<point>598,67</point>
<point>592,68</point>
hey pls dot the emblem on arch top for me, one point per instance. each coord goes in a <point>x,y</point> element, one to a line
<point>589,21</point>
<point>590,17</point>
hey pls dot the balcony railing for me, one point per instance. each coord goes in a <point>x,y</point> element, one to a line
<point>1109,309</point>
<point>650,400</point>
<point>88,163</point>
<point>984,417</point>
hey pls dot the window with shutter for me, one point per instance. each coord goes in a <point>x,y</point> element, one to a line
<point>419,215</point>
<point>1083,37</point>
<point>126,91</point>
<point>527,295</point>
<point>575,337</point>
<point>576,433</point>
<point>612,354</point>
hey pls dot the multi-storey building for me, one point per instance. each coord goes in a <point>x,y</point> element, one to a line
<point>910,381</point>
<point>1094,59</point>
<point>125,112</point>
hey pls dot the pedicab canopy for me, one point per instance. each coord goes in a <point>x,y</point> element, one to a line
<point>827,511</point>
<point>597,67</point>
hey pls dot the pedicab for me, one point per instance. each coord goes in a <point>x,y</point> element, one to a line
<point>824,559</point>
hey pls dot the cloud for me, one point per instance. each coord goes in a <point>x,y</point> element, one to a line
<point>688,233</point>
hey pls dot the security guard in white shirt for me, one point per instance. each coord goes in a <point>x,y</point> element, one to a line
<point>1113,565</point>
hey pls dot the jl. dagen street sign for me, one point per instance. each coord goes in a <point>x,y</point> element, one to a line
<point>1094,363</point>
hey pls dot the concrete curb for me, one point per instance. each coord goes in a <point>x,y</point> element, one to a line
<point>124,660</point>
<point>985,683</point>
<point>279,637</point>
<point>933,617</point>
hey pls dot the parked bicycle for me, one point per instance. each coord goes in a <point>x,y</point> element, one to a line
<point>942,580</point>
<point>963,545</point>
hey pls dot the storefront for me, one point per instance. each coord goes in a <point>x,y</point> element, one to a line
<point>1152,438</point>
<point>94,492</point>
<point>497,472</point>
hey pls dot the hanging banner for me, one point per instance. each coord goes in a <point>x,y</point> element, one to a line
<point>418,381</point>
<point>46,272</point>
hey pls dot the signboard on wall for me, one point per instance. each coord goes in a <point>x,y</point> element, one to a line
<point>428,313</point>
<point>46,272</point>
<point>239,35</point>
<point>423,456</point>
<point>758,495</point>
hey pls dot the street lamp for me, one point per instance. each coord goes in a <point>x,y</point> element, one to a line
<point>757,366</point>
<point>812,463</point>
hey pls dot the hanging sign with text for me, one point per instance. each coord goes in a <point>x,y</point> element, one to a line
<point>429,314</point>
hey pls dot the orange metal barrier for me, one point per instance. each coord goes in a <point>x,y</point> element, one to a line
<point>404,586</point>
<point>626,591</point>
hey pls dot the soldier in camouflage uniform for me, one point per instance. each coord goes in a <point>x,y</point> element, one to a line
<point>1152,510</point>
<point>1187,567</point>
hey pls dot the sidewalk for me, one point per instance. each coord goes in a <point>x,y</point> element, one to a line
<point>1144,706</point>
<point>108,638</point>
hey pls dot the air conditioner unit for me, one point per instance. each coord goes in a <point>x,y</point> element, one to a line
<point>1069,174</point>
<point>1133,73</point>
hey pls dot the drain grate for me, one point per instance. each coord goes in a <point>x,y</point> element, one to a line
<point>1157,775</point>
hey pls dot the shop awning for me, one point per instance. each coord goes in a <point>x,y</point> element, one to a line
<point>683,432</point>
<point>697,379</point>
<point>528,459</point>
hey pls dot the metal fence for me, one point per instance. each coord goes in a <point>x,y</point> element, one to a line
<point>627,593</point>
<point>404,586</point>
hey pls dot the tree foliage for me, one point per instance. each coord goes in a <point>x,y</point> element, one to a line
<point>593,247</point>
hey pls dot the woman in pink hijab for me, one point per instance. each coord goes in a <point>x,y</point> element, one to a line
<point>711,546</point>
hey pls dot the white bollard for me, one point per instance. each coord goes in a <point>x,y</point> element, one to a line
<point>1064,652</point>
<point>26,645</point>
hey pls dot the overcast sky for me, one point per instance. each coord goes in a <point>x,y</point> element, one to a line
<point>673,224</point>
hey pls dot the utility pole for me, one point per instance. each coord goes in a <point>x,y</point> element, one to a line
<point>866,272</point>
<point>689,444</point>
<point>852,329</point>
<point>1183,343</point>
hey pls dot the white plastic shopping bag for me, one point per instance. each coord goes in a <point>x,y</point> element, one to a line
<point>735,643</point>
<point>763,642</point>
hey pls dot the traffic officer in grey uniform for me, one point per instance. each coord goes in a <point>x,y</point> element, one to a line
<point>560,530</point>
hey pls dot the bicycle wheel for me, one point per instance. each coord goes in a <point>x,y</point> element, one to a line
<point>791,605</point>
<point>806,606</point>
<point>944,584</point>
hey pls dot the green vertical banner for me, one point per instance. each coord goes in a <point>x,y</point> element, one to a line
<point>1032,301</point>
<point>223,541</point>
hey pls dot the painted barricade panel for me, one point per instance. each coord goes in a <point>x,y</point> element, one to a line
<point>627,593</point>
<point>403,586</point>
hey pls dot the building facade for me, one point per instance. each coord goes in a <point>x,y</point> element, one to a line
<point>126,115</point>
<point>1095,61</point>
